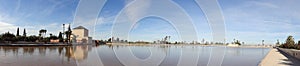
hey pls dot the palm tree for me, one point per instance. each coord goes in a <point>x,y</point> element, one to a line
<point>50,34</point>
<point>43,31</point>
<point>277,43</point>
<point>40,37</point>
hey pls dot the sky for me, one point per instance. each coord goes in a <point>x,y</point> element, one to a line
<point>249,21</point>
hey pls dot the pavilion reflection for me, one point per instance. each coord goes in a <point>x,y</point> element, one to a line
<point>78,53</point>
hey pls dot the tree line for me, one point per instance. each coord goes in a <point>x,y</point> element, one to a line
<point>290,43</point>
<point>9,37</point>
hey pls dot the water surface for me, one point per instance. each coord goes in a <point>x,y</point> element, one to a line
<point>117,55</point>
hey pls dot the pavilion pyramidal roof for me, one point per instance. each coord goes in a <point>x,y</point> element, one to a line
<point>80,27</point>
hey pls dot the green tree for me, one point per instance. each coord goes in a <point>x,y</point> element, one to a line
<point>289,43</point>
<point>277,43</point>
<point>32,38</point>
<point>109,40</point>
<point>18,32</point>
<point>53,37</point>
<point>24,32</point>
<point>1,38</point>
<point>51,34</point>
<point>298,46</point>
<point>60,37</point>
<point>238,42</point>
<point>8,37</point>
<point>40,37</point>
<point>68,34</point>
<point>43,31</point>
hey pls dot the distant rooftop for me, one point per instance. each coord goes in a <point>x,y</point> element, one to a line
<point>80,27</point>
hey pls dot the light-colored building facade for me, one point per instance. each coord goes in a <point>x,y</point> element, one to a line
<point>80,35</point>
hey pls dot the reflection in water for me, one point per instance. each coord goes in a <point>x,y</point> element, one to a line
<point>66,55</point>
<point>233,56</point>
<point>70,52</point>
<point>87,55</point>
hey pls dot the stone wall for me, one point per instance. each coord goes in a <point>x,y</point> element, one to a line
<point>291,52</point>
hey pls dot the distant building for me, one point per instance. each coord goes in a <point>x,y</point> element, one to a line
<point>54,40</point>
<point>81,34</point>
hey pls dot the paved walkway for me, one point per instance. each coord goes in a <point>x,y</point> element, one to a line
<point>278,58</point>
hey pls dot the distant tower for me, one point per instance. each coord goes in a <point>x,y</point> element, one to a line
<point>82,35</point>
<point>63,32</point>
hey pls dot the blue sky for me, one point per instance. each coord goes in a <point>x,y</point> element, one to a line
<point>247,20</point>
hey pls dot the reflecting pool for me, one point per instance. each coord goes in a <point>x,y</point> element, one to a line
<point>120,55</point>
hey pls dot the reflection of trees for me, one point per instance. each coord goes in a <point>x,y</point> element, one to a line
<point>15,50</point>
<point>237,51</point>
<point>28,50</point>
<point>10,49</point>
<point>69,52</point>
<point>110,46</point>
<point>262,51</point>
<point>165,48</point>
<point>52,48</point>
<point>60,50</point>
<point>42,50</point>
<point>5,50</point>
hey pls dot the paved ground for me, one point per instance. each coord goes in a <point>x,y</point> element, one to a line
<point>278,58</point>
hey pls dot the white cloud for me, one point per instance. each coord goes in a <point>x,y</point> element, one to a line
<point>5,27</point>
<point>30,29</point>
